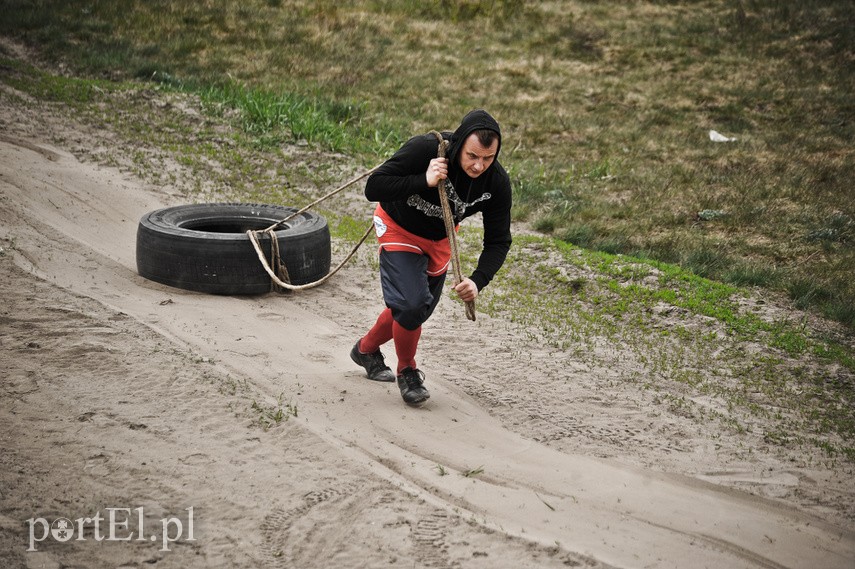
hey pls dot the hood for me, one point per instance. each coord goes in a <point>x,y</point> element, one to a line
<point>474,120</point>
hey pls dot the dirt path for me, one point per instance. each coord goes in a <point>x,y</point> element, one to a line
<point>122,393</point>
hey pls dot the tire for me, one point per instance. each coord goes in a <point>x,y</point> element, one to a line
<point>204,247</point>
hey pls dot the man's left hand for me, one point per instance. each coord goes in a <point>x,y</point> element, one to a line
<point>466,290</point>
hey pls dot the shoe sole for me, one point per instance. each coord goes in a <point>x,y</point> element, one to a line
<point>417,403</point>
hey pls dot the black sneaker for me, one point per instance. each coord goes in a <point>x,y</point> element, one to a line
<point>374,364</point>
<point>411,383</point>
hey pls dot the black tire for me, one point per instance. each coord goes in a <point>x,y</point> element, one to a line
<point>204,247</point>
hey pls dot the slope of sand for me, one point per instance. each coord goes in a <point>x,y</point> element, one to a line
<point>122,393</point>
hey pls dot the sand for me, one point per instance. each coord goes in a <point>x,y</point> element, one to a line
<point>122,396</point>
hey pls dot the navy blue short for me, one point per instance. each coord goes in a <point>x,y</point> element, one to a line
<point>407,289</point>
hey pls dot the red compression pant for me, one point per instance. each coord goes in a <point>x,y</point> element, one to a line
<point>385,329</point>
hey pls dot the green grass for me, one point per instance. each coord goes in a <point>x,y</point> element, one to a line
<point>270,416</point>
<point>275,118</point>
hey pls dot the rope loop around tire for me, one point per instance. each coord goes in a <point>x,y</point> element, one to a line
<point>279,277</point>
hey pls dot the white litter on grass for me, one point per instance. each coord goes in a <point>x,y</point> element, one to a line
<point>718,137</point>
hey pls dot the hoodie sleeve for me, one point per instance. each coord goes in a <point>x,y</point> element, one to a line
<point>497,233</point>
<point>403,174</point>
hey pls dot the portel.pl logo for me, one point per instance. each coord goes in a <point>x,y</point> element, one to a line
<point>117,528</point>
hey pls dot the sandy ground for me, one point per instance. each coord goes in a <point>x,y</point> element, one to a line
<point>122,395</point>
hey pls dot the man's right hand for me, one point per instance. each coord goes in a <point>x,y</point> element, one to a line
<point>437,171</point>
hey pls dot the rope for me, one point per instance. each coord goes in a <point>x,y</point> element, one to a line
<point>323,198</point>
<point>282,279</point>
<point>448,219</point>
<point>279,277</point>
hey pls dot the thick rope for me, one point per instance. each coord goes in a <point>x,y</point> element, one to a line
<point>448,219</point>
<point>323,198</point>
<point>276,261</point>
<point>279,277</point>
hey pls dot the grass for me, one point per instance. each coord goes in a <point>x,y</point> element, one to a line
<point>605,108</point>
<point>472,472</point>
<point>573,301</point>
<point>273,415</point>
<point>274,118</point>
<point>545,503</point>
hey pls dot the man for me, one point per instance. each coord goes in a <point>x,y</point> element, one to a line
<point>414,248</point>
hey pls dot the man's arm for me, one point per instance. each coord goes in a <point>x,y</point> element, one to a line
<point>403,174</point>
<point>497,243</point>
<point>497,234</point>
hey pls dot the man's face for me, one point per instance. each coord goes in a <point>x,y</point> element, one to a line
<point>475,158</point>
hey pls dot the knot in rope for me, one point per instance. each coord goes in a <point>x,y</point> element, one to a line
<point>279,277</point>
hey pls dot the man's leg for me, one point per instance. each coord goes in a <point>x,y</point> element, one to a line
<point>407,289</point>
<point>366,352</point>
<point>379,334</point>
<point>412,296</point>
<point>406,343</point>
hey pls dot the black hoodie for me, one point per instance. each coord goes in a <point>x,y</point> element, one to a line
<point>400,185</point>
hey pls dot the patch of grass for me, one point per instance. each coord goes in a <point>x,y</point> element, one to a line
<point>751,274</point>
<point>472,472</point>
<point>56,88</point>
<point>579,234</point>
<point>708,262</point>
<point>841,310</point>
<point>276,118</point>
<point>348,228</point>
<point>805,292</point>
<point>836,228</point>
<point>273,415</point>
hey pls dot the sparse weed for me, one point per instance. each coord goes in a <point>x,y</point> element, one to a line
<point>472,472</point>
<point>273,415</point>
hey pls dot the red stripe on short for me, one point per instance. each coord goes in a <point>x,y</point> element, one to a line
<point>393,237</point>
